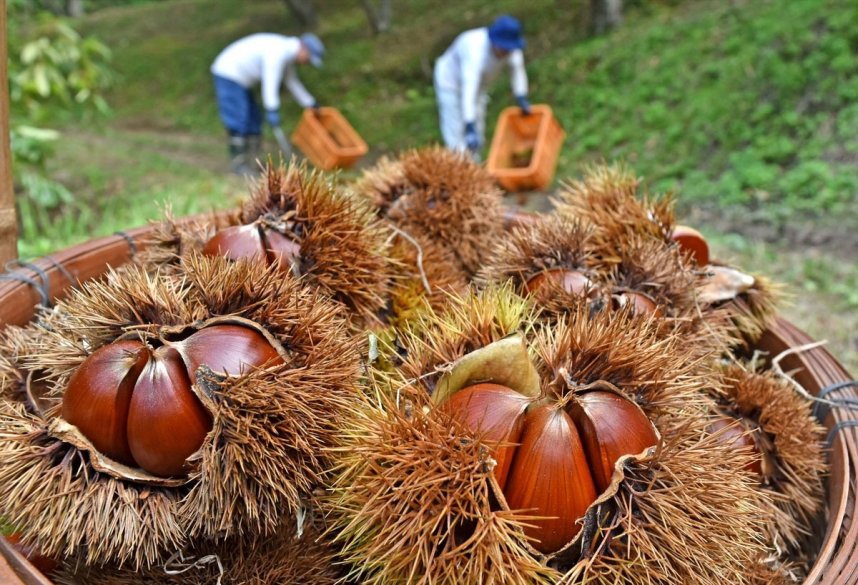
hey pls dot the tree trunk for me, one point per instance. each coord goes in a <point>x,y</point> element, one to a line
<point>8,221</point>
<point>379,20</point>
<point>304,11</point>
<point>74,8</point>
<point>605,15</point>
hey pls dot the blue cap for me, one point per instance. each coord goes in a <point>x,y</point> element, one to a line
<point>505,33</point>
<point>315,47</point>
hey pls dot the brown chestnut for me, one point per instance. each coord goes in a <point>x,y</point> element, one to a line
<point>241,242</point>
<point>135,403</point>
<point>732,432</point>
<point>497,412</point>
<point>691,241</point>
<point>99,395</point>
<point>254,241</point>
<point>571,281</point>
<point>611,426</point>
<point>550,478</point>
<point>553,463</point>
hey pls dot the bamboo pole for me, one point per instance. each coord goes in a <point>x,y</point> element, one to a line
<point>8,220</point>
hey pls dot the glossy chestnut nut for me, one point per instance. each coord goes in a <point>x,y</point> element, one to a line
<point>98,396</point>
<point>136,404</point>
<point>731,431</point>
<point>691,241</point>
<point>497,412</point>
<point>641,304</point>
<point>611,426</point>
<point>241,242</point>
<point>553,462</point>
<point>571,281</point>
<point>254,242</point>
<point>550,477</point>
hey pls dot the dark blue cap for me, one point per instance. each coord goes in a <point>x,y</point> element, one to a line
<point>505,33</point>
<point>314,47</point>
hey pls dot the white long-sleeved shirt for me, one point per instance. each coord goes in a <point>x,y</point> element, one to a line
<point>469,66</point>
<point>267,58</point>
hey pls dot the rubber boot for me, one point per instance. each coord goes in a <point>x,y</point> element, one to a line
<point>254,147</point>
<point>238,156</point>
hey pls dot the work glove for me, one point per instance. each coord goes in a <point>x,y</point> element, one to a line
<point>472,141</point>
<point>523,104</point>
<point>273,117</point>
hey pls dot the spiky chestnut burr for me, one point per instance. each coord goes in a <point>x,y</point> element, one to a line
<point>311,227</point>
<point>238,483</point>
<point>452,201</point>
<point>284,557</point>
<point>550,257</point>
<point>383,447</point>
<point>382,184</point>
<point>609,198</point>
<point>303,222</point>
<point>135,402</point>
<point>440,525</point>
<point>553,457</point>
<point>787,442</point>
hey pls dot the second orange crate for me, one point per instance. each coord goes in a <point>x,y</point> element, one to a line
<point>328,140</point>
<point>524,150</point>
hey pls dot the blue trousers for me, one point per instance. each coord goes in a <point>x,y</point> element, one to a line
<point>238,108</point>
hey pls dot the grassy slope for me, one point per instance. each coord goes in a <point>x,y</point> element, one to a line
<point>741,103</point>
<point>743,106</point>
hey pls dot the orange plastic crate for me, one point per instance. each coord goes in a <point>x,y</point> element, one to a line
<point>524,150</point>
<point>328,140</point>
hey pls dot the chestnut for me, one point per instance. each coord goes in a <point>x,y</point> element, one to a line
<point>135,401</point>
<point>642,304</point>
<point>254,242</point>
<point>691,241</point>
<point>571,281</point>
<point>731,431</point>
<point>553,459</point>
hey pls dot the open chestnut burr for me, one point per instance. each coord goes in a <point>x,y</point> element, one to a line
<point>135,400</point>
<point>555,452</point>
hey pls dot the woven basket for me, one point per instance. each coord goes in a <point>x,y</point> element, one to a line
<point>815,369</point>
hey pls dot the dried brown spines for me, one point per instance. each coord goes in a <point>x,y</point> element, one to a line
<point>242,482</point>
<point>423,455</point>
<point>791,442</point>
<point>452,201</point>
<point>280,558</point>
<point>440,524</point>
<point>382,184</point>
<point>608,197</point>
<point>343,247</point>
<point>671,521</point>
<point>548,242</point>
<point>72,511</point>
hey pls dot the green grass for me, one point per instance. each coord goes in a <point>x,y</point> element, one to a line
<point>123,180</point>
<point>751,104</point>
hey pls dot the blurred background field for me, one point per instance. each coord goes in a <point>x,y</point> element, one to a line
<point>746,110</point>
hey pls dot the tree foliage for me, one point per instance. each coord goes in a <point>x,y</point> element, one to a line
<point>52,70</point>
